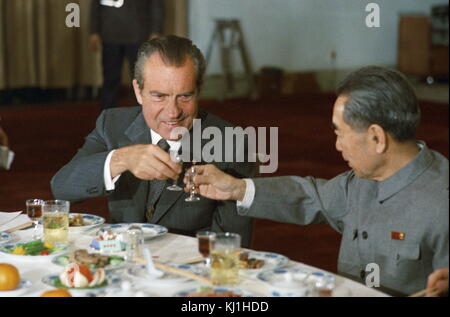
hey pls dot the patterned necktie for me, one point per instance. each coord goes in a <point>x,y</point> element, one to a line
<point>155,186</point>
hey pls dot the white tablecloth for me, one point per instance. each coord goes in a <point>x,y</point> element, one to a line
<point>167,248</point>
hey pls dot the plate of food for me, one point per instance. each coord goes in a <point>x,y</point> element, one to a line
<point>4,237</point>
<point>296,282</point>
<point>33,250</point>
<point>82,222</point>
<point>92,260</point>
<point>150,230</point>
<point>213,291</point>
<point>77,277</point>
<point>23,286</point>
<point>253,262</point>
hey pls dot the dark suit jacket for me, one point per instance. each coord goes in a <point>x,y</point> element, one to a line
<point>82,178</point>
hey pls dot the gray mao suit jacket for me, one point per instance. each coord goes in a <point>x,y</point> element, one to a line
<point>82,178</point>
<point>394,231</point>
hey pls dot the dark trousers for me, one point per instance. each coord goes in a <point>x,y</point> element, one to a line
<point>112,60</point>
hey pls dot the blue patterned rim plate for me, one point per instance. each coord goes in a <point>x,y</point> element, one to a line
<point>23,287</point>
<point>113,281</point>
<point>4,237</point>
<point>140,271</point>
<point>150,230</point>
<point>62,248</point>
<point>90,221</point>
<point>297,282</point>
<point>271,261</point>
<point>217,289</point>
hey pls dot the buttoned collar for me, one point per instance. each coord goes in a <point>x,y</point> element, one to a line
<point>406,175</point>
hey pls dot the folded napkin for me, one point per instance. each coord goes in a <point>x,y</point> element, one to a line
<point>10,220</point>
<point>6,157</point>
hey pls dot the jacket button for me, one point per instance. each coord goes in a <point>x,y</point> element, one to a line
<point>362,274</point>
<point>92,190</point>
<point>365,235</point>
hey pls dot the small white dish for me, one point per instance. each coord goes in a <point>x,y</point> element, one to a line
<point>4,237</point>
<point>295,282</point>
<point>150,230</point>
<point>23,287</point>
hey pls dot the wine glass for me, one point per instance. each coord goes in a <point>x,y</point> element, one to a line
<point>34,211</point>
<point>205,242</point>
<point>177,159</point>
<point>190,173</point>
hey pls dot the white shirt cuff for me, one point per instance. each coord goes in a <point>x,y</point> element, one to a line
<point>249,195</point>
<point>109,183</point>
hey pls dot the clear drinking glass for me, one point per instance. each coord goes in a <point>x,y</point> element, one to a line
<point>177,159</point>
<point>205,242</point>
<point>190,173</point>
<point>225,259</point>
<point>134,242</point>
<point>56,220</point>
<point>34,211</point>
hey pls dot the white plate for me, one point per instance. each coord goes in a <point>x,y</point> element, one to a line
<point>4,237</point>
<point>271,261</point>
<point>297,282</point>
<point>61,261</point>
<point>140,272</point>
<point>217,289</point>
<point>113,281</point>
<point>31,257</point>
<point>21,289</point>
<point>89,220</point>
<point>150,230</point>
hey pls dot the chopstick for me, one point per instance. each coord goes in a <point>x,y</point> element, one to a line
<point>177,271</point>
<point>22,226</point>
<point>429,292</point>
<point>193,260</point>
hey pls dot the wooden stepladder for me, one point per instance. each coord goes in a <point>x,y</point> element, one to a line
<point>234,40</point>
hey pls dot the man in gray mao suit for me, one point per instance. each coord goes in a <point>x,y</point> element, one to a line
<point>125,157</point>
<point>391,208</point>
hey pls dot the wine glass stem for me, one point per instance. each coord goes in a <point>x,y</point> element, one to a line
<point>35,232</point>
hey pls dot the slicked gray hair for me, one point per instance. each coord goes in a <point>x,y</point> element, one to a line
<point>174,51</point>
<point>378,95</point>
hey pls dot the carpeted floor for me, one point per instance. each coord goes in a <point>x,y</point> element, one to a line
<point>45,137</point>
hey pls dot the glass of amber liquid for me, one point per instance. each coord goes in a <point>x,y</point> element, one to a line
<point>225,259</point>
<point>34,211</point>
<point>56,220</point>
<point>205,242</point>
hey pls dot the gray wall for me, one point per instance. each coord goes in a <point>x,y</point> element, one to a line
<point>299,35</point>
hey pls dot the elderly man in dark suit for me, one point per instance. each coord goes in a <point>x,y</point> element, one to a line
<point>391,208</point>
<point>125,157</point>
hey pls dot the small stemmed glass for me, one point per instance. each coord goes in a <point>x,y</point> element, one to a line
<point>190,173</point>
<point>205,243</point>
<point>34,211</point>
<point>177,159</point>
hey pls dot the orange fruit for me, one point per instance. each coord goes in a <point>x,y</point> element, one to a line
<point>9,277</point>
<point>59,292</point>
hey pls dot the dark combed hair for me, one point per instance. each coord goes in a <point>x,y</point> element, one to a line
<point>378,95</point>
<point>174,51</point>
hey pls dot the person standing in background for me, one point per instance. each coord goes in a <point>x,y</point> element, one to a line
<point>120,27</point>
<point>3,138</point>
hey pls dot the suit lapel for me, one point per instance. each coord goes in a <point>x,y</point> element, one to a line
<point>138,133</point>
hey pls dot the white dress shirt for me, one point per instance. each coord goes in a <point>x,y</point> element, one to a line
<point>110,182</point>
